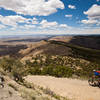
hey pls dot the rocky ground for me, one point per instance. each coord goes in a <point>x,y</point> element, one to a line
<point>8,93</point>
<point>26,91</point>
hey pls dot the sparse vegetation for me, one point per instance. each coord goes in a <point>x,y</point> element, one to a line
<point>58,66</point>
<point>13,86</point>
<point>52,94</point>
<point>81,52</point>
<point>28,95</point>
<point>76,62</point>
<point>10,93</point>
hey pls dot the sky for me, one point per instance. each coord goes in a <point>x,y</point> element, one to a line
<point>27,17</point>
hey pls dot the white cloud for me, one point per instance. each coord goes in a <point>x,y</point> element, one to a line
<point>73,30</point>
<point>15,23</point>
<point>13,20</point>
<point>68,16</point>
<point>35,21</point>
<point>23,27</point>
<point>93,15</point>
<point>97,0</point>
<point>90,21</point>
<point>64,26</point>
<point>27,26</point>
<point>46,24</point>
<point>93,12</point>
<point>71,7</point>
<point>52,25</point>
<point>32,7</point>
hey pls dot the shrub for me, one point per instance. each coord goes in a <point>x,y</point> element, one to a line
<point>47,70</point>
<point>7,63</point>
<point>35,71</point>
<point>62,71</point>
<point>58,71</point>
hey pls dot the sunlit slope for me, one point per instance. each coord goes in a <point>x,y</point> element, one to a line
<point>54,47</point>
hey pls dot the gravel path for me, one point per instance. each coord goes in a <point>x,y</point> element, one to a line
<point>71,88</point>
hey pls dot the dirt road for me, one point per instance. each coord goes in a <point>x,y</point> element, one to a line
<point>72,88</point>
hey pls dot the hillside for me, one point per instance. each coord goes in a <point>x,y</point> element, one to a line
<point>92,42</point>
<point>27,45</point>
<point>26,91</point>
<point>58,57</point>
<point>10,46</point>
<point>85,47</point>
<point>59,52</point>
<point>45,48</point>
<point>76,60</point>
<point>8,93</point>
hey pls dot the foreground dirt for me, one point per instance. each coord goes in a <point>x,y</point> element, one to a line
<point>15,91</point>
<point>8,93</point>
<point>72,88</point>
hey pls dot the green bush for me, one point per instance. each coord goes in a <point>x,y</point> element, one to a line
<point>47,70</point>
<point>7,63</point>
<point>59,66</point>
<point>57,71</point>
<point>62,71</point>
<point>35,71</point>
<point>14,67</point>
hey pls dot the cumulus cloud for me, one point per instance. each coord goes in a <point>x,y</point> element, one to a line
<point>90,21</point>
<point>93,15</point>
<point>71,7</point>
<point>13,20</point>
<point>68,16</point>
<point>18,22</point>
<point>64,26</point>
<point>27,26</point>
<point>93,12</point>
<point>32,7</point>
<point>46,24</point>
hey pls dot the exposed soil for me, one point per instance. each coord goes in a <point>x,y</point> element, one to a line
<point>72,88</point>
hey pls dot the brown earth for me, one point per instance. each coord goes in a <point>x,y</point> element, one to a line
<point>72,88</point>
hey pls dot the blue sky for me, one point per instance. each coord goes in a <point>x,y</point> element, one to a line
<point>25,17</point>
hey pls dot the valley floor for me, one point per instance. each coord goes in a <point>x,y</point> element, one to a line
<point>72,88</point>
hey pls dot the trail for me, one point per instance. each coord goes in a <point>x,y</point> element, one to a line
<point>72,88</point>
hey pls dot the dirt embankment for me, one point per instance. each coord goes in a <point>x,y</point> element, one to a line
<point>72,88</point>
<point>8,93</point>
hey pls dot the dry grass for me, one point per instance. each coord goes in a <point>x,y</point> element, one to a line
<point>13,86</point>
